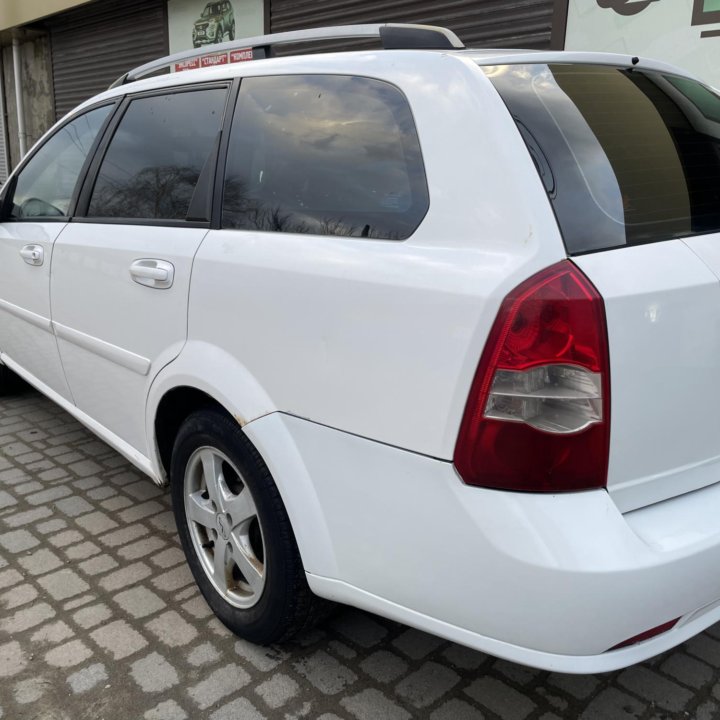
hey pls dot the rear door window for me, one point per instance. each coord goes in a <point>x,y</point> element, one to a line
<point>157,154</point>
<point>627,156</point>
<point>328,155</point>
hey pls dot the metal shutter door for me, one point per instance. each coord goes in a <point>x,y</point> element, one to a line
<point>478,23</point>
<point>96,43</point>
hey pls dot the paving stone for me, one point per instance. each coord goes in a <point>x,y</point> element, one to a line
<point>456,710</point>
<point>87,678</point>
<point>139,601</point>
<point>67,655</point>
<point>579,686</point>
<point>172,629</point>
<point>500,698</point>
<point>278,690</point>
<point>384,666</point>
<point>262,658</point>
<point>51,526</point>
<point>54,632</point>
<point>126,576</point>
<point>154,673</point>
<point>325,673</point>
<point>168,558</point>
<point>30,690</point>
<point>40,561</point>
<point>464,658</point>
<point>119,639</point>
<point>45,497</point>
<point>81,551</point>
<point>10,577</point>
<point>74,506</point>
<point>124,535</point>
<point>85,468</point>
<point>169,710</point>
<point>173,580</point>
<point>426,685</point>
<point>141,548</point>
<point>6,500</point>
<point>29,517</point>
<point>13,659</point>
<point>26,617</point>
<point>19,595</point>
<point>91,616</point>
<point>18,541</point>
<point>98,564</point>
<point>115,503</point>
<point>63,584</point>
<point>217,685</point>
<point>687,670</point>
<point>203,655</point>
<point>240,708</point>
<point>101,493</point>
<point>613,704</point>
<point>138,511</point>
<point>96,522</point>
<point>655,688</point>
<point>371,704</point>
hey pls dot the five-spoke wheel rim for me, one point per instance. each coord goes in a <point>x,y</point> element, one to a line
<point>224,527</point>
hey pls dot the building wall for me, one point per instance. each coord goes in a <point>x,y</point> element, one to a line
<point>37,92</point>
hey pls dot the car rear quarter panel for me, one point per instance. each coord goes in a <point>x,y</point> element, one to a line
<point>381,338</point>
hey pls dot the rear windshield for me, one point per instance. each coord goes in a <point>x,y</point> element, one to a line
<point>627,156</point>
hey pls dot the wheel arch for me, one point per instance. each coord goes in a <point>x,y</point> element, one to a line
<point>226,385</point>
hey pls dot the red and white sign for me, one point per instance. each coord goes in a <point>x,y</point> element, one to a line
<point>213,60</point>
<point>192,64</point>
<point>242,55</point>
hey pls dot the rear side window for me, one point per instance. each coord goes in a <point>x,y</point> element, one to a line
<point>329,155</point>
<point>152,165</point>
<point>627,156</point>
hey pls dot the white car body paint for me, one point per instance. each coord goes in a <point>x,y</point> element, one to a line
<point>348,362</point>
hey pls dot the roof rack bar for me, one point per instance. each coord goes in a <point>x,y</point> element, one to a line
<point>393,36</point>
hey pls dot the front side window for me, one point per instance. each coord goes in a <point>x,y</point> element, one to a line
<point>45,186</point>
<point>154,160</point>
<point>328,155</point>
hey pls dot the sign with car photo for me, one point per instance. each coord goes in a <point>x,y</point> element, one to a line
<point>205,23</point>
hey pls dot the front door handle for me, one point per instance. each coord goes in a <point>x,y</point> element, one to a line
<point>153,273</point>
<point>33,254</point>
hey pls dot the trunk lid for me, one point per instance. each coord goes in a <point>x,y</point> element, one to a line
<point>630,159</point>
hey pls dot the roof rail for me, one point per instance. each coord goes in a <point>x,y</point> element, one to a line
<point>393,36</point>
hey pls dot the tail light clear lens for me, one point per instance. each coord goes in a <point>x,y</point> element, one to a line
<point>538,413</point>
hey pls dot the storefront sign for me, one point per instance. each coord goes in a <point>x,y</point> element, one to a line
<point>203,23</point>
<point>685,33</point>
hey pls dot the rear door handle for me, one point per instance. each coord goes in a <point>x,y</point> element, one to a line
<point>33,254</point>
<point>153,273</point>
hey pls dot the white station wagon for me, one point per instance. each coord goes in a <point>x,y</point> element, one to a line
<point>429,331</point>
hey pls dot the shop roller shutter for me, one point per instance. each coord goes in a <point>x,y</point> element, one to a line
<point>94,44</point>
<point>478,23</point>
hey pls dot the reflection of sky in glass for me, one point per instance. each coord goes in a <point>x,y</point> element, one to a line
<point>156,155</point>
<point>53,171</point>
<point>324,154</point>
<point>630,163</point>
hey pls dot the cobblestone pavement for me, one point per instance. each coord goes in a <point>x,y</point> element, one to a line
<point>100,619</point>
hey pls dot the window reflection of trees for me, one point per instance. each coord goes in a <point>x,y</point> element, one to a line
<point>328,155</point>
<point>154,192</point>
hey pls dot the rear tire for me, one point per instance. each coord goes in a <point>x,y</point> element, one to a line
<point>236,533</point>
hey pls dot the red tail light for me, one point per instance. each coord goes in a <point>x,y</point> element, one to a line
<point>538,414</point>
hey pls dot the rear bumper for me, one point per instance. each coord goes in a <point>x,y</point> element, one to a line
<point>552,581</point>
